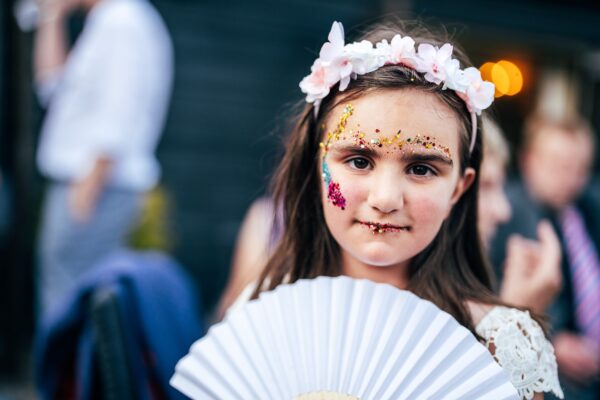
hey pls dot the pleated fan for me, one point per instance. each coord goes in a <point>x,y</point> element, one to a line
<point>340,338</point>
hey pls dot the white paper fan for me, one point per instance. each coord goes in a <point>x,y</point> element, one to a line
<point>340,338</point>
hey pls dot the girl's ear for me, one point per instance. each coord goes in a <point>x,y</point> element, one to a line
<point>463,184</point>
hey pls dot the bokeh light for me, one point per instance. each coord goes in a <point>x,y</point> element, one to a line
<point>505,75</point>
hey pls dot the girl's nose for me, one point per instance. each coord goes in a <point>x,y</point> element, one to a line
<point>386,193</point>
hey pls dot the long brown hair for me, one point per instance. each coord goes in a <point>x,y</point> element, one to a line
<point>451,270</point>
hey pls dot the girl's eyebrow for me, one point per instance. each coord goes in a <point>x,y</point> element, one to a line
<point>408,156</point>
<point>354,149</point>
<point>427,157</point>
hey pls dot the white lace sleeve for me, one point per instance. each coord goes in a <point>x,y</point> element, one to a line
<point>520,347</point>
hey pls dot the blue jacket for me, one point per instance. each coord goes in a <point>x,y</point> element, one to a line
<point>159,314</point>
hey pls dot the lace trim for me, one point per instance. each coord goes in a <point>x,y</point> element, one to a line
<point>520,347</point>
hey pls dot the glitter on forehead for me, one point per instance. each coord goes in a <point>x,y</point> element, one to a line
<point>395,141</point>
<point>341,127</point>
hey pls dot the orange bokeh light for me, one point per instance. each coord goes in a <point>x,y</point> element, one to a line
<point>501,80</point>
<point>514,76</point>
<point>486,70</point>
<point>505,75</point>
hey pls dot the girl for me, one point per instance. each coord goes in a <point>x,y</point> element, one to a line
<point>379,180</point>
<point>531,272</point>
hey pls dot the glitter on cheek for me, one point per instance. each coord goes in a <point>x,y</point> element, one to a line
<point>333,188</point>
<point>326,172</point>
<point>335,195</point>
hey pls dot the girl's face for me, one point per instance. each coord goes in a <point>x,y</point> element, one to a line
<point>391,175</point>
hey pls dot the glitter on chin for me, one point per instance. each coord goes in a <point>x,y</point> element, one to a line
<point>335,195</point>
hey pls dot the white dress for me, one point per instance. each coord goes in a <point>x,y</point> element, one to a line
<point>516,341</point>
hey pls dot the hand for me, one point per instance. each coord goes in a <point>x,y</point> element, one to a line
<point>576,357</point>
<point>57,9</point>
<point>83,196</point>
<point>532,275</point>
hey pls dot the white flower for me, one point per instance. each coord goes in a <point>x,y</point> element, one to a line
<point>479,94</point>
<point>363,57</point>
<point>432,61</point>
<point>340,62</point>
<point>455,77</point>
<point>334,47</point>
<point>383,52</point>
<point>333,56</point>
<point>403,51</point>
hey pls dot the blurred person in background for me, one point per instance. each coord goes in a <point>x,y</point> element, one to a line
<point>107,99</point>
<point>555,165</point>
<point>532,274</point>
<point>257,238</point>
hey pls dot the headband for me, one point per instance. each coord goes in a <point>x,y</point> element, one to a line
<point>340,62</point>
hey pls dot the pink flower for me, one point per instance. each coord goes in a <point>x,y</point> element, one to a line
<point>433,61</point>
<point>340,62</point>
<point>317,84</point>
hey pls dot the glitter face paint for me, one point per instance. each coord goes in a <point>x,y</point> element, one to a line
<point>377,228</point>
<point>334,193</point>
<point>333,189</point>
<point>396,142</point>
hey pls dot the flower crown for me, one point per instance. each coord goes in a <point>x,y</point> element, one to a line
<point>340,62</point>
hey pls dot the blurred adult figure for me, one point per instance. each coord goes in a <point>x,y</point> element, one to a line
<point>555,165</point>
<point>531,275</point>
<point>107,98</point>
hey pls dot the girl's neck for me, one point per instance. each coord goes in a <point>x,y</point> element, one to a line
<point>396,275</point>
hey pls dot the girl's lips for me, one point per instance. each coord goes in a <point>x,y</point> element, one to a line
<point>377,227</point>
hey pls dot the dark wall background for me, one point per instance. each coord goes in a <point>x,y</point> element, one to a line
<point>238,65</point>
<point>17,205</point>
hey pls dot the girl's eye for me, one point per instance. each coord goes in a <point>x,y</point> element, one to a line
<point>421,170</point>
<point>359,163</point>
